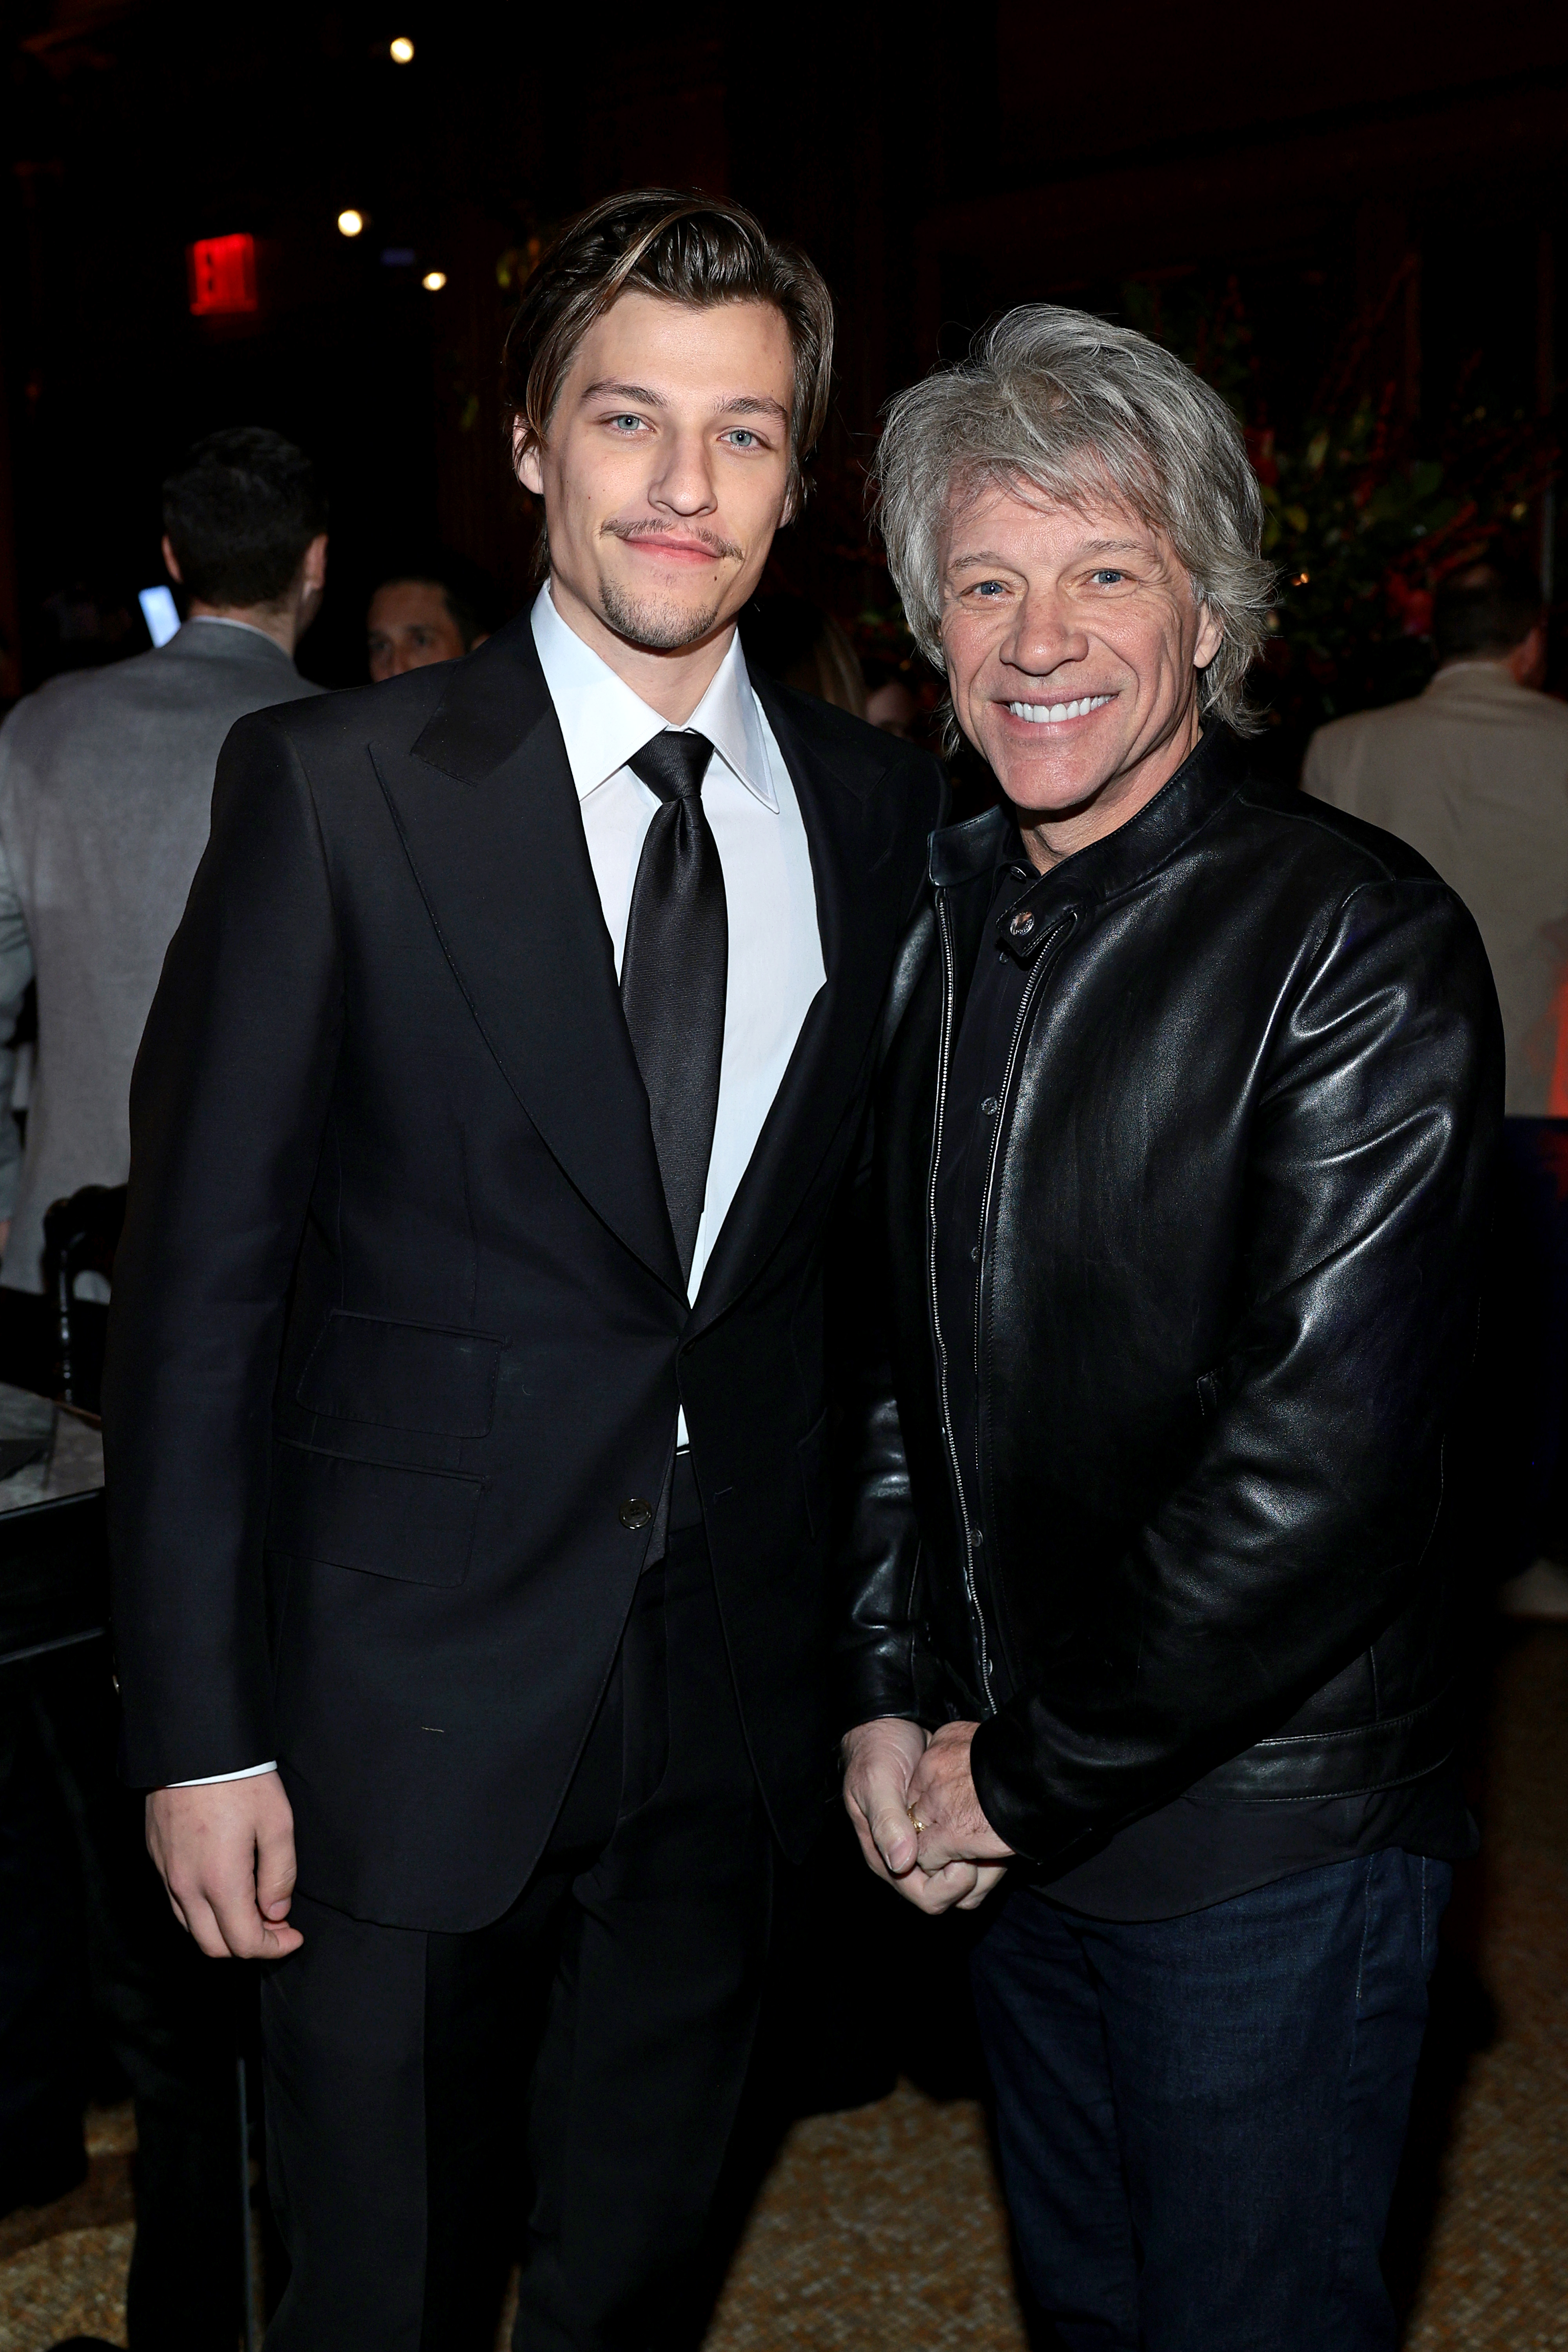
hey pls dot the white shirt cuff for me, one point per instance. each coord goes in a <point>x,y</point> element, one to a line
<point>251,1772</point>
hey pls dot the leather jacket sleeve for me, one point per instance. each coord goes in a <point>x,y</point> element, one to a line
<point>882,1668</point>
<point>884,1661</point>
<point>1302,1521</point>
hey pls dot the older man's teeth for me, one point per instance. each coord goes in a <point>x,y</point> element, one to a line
<point>1051,714</point>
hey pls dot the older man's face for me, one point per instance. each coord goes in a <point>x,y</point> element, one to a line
<point>1073,643</point>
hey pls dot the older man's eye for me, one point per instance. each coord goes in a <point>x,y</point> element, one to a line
<point>1108,579</point>
<point>988,588</point>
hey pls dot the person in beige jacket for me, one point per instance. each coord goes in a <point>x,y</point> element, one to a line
<point>1474,774</point>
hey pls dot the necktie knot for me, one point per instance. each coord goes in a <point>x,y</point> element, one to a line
<point>673,764</point>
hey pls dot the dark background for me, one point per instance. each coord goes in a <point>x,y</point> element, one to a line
<point>1355,210</point>
<point>1351,217</point>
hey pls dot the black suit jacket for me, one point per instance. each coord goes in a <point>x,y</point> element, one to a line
<point>398,1330</point>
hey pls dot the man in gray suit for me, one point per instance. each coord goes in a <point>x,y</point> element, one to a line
<point>105,782</point>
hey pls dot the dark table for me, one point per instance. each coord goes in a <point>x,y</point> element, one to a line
<point>54,1554</point>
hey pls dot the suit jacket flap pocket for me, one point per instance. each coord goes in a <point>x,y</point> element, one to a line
<point>416,1524</point>
<point>414,1376</point>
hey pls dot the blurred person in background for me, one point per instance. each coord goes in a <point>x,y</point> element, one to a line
<point>801,646</point>
<point>106,781</point>
<point>432,609</point>
<point>891,702</point>
<point>1474,774</point>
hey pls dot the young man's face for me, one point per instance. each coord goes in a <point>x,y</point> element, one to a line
<point>409,625</point>
<point>666,472</point>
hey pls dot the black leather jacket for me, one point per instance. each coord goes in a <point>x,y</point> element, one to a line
<point>1228,1277</point>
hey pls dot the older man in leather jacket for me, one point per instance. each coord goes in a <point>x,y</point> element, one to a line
<point>1183,1145</point>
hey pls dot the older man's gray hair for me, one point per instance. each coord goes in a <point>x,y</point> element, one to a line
<point>1078,409</point>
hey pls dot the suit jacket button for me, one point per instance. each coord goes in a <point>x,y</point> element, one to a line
<point>635,1513</point>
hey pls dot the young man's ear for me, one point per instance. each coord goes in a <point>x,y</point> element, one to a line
<point>525,457</point>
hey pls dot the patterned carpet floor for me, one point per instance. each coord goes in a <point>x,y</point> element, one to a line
<point>1494,2267</point>
<point>882,2227</point>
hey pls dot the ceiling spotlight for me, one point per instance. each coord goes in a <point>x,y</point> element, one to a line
<point>433,280</point>
<point>350,223</point>
<point>403,50</point>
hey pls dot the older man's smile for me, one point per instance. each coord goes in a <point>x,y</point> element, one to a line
<point>1055,714</point>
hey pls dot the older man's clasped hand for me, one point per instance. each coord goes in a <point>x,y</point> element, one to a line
<point>912,1797</point>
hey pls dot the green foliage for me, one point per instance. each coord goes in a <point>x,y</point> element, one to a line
<point>1363,535</point>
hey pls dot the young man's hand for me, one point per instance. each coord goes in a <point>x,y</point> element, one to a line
<point>226,1852</point>
<point>951,1831</point>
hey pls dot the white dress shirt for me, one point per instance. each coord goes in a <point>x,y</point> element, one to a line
<point>775,966</point>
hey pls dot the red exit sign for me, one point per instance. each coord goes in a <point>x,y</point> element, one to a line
<point>222,272</point>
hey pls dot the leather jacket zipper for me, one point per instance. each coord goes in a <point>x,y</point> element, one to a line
<point>949,998</point>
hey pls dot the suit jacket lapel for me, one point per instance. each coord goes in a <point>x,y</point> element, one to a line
<point>849,836</point>
<point>489,815</point>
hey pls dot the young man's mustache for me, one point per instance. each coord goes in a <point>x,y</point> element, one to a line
<point>667,531</point>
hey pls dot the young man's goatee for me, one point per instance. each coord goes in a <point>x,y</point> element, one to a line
<point>660,625</point>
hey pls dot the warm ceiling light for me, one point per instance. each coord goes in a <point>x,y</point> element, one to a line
<point>433,280</point>
<point>403,50</point>
<point>350,223</point>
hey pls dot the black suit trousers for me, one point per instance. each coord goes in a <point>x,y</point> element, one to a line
<point>613,2006</point>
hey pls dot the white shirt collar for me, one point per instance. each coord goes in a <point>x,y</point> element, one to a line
<point>603,722</point>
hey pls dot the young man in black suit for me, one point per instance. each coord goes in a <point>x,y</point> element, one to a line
<point>465,1402</point>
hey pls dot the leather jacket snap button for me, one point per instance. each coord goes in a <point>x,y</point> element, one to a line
<point>1021,924</point>
<point>990,1105</point>
<point>635,1514</point>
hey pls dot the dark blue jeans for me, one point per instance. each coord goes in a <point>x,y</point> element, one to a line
<point>1200,2119</point>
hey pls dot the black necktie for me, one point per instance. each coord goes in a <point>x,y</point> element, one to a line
<point>673,972</point>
